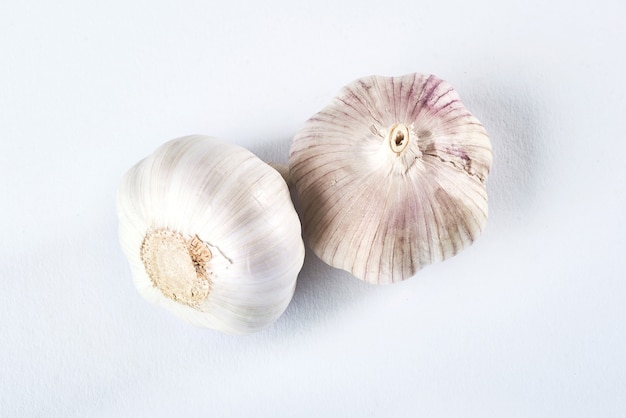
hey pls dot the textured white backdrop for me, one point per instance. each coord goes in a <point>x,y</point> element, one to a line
<point>528,322</point>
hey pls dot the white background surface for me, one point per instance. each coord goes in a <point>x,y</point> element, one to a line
<point>528,322</point>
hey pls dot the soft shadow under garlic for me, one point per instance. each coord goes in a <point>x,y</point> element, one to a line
<point>274,151</point>
<point>322,294</point>
<point>516,118</point>
<point>322,291</point>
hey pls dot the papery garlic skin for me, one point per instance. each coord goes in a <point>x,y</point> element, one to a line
<point>216,229</point>
<point>391,177</point>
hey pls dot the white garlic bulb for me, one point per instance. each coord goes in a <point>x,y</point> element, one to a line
<point>391,176</point>
<point>211,234</point>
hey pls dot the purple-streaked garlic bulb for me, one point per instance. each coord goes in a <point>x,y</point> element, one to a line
<point>391,177</point>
